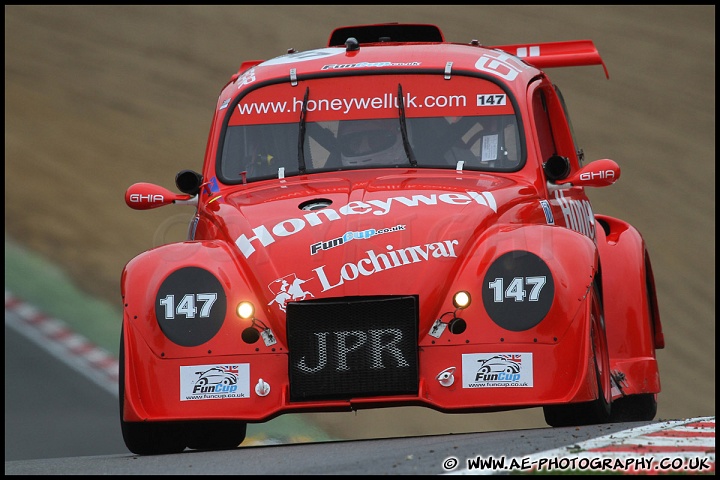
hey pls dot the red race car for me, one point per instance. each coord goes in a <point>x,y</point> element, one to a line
<point>391,220</point>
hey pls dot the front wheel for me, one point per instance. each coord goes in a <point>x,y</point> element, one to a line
<point>635,408</point>
<point>215,434</point>
<point>147,438</point>
<point>157,438</point>
<point>598,410</point>
<point>152,438</point>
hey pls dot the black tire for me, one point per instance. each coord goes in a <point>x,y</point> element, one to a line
<point>635,408</point>
<point>147,438</point>
<point>595,411</point>
<point>215,434</point>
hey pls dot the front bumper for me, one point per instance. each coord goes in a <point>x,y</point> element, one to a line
<point>449,380</point>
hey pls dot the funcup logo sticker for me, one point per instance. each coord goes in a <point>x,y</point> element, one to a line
<point>483,370</point>
<point>348,236</point>
<point>212,382</point>
<point>342,66</point>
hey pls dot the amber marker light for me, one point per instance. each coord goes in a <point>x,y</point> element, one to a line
<point>461,299</point>
<point>245,310</point>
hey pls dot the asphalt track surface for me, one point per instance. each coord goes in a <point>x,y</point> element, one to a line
<point>52,410</point>
<point>426,455</point>
<point>98,98</point>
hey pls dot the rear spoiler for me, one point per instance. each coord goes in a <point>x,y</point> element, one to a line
<point>575,53</point>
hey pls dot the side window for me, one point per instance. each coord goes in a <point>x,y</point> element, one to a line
<point>542,125</point>
<point>553,130</point>
<point>579,151</point>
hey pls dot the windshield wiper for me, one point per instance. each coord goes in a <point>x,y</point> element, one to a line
<point>403,128</point>
<point>301,134</point>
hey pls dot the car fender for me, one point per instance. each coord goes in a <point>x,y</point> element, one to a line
<point>631,313</point>
<point>181,297</point>
<point>573,261</point>
<point>568,258</point>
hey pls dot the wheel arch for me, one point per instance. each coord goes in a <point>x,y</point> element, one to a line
<point>630,305</point>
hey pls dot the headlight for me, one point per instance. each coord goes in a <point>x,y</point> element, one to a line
<point>461,299</point>
<point>246,310</point>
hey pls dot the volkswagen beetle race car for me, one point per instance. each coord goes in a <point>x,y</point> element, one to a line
<point>390,220</point>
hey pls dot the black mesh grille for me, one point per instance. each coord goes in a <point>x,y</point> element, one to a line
<point>352,347</point>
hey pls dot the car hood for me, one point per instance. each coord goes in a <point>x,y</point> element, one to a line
<point>361,234</point>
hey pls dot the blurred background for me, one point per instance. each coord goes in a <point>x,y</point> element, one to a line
<point>100,97</point>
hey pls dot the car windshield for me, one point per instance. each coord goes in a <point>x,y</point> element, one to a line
<point>256,145</point>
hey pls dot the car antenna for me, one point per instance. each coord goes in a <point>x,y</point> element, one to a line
<point>403,129</point>
<point>301,134</point>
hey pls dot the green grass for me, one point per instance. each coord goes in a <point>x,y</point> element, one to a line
<point>33,280</point>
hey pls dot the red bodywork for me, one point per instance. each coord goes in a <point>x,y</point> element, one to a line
<point>303,242</point>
